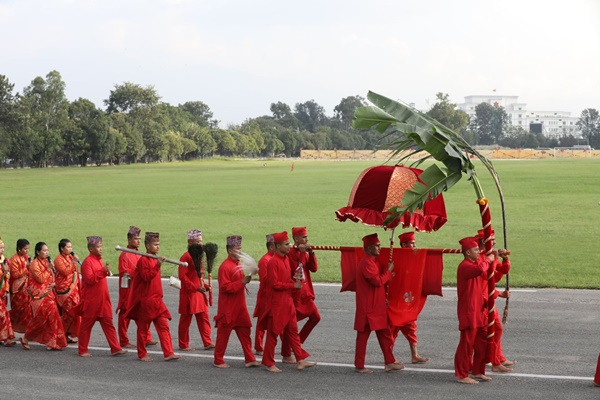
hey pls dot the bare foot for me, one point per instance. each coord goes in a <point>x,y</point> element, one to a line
<point>172,357</point>
<point>222,366</point>
<point>71,340</point>
<point>146,359</point>
<point>258,353</point>
<point>119,353</point>
<point>252,364</point>
<point>501,368</point>
<point>468,381</point>
<point>393,367</point>
<point>288,360</point>
<point>25,343</point>
<point>273,368</point>
<point>419,360</point>
<point>303,364</point>
<point>152,343</point>
<point>86,355</point>
<point>9,343</point>
<point>482,377</point>
<point>209,347</point>
<point>128,346</point>
<point>187,349</point>
<point>363,371</point>
<point>48,348</point>
<point>508,363</point>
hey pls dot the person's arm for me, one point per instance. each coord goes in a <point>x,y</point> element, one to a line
<point>17,270</point>
<point>370,271</point>
<point>38,271</point>
<point>148,268</point>
<point>230,281</point>
<point>275,281</point>
<point>312,264</point>
<point>63,266</point>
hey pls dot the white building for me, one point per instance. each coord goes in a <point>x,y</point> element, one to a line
<point>552,124</point>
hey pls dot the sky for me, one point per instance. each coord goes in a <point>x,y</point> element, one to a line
<point>239,56</point>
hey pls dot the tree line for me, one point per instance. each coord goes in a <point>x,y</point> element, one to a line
<point>40,127</point>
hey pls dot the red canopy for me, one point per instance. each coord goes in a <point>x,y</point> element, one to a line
<point>380,188</point>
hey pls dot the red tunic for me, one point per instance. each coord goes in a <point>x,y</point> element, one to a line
<point>263,295</point>
<point>127,265</point>
<point>191,301</point>
<point>471,288</point>
<point>146,295</point>
<point>46,326</point>
<point>20,308</point>
<point>304,296</point>
<point>95,298</point>
<point>370,295</point>
<point>6,329</point>
<point>281,307</point>
<point>232,308</point>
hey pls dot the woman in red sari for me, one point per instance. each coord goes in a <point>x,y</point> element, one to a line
<point>45,326</point>
<point>6,331</point>
<point>20,309</point>
<point>67,288</point>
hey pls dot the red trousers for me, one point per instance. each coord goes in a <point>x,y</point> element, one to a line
<point>597,376</point>
<point>409,331</point>
<point>313,319</point>
<point>123,326</point>
<point>161,324</point>
<point>185,321</point>
<point>85,331</point>
<point>259,336</point>
<point>291,332</point>
<point>498,357</point>
<point>384,337</point>
<point>471,352</point>
<point>243,334</point>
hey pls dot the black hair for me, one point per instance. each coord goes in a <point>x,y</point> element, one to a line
<point>62,244</point>
<point>21,243</point>
<point>38,247</point>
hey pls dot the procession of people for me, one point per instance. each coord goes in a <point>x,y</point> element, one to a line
<point>58,302</point>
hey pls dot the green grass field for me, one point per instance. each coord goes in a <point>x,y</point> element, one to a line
<point>553,214</point>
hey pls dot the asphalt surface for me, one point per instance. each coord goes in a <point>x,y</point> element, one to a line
<point>553,334</point>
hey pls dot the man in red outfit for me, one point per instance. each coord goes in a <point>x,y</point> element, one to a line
<point>407,241</point>
<point>498,360</point>
<point>232,312</point>
<point>95,300</point>
<point>303,261</point>
<point>371,313</point>
<point>471,278</point>
<point>262,297</point>
<point>192,296</point>
<point>127,268</point>
<point>146,305</point>
<point>281,312</point>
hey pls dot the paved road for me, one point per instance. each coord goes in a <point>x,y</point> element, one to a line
<point>552,333</point>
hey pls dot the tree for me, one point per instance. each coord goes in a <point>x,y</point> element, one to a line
<point>89,133</point>
<point>446,113</point>
<point>10,119</point>
<point>489,123</point>
<point>134,141</point>
<point>344,112</point>
<point>311,115</point>
<point>282,114</point>
<point>130,97</point>
<point>47,105</point>
<point>200,113</point>
<point>589,123</point>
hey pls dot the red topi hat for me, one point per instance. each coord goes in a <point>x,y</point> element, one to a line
<point>280,237</point>
<point>407,237</point>
<point>468,243</point>
<point>134,231</point>
<point>301,231</point>
<point>370,240</point>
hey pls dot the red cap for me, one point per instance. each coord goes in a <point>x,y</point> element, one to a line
<point>370,240</point>
<point>407,237</point>
<point>301,231</point>
<point>280,237</point>
<point>469,242</point>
